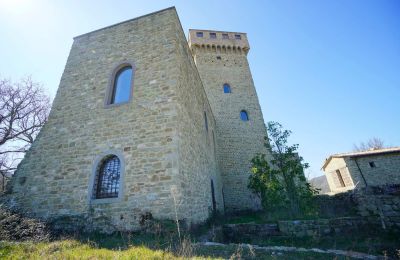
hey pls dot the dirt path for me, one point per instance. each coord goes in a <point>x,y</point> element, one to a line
<point>356,255</point>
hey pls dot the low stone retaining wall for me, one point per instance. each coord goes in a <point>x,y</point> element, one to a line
<point>240,232</point>
<point>387,207</point>
<point>322,227</point>
<point>369,203</point>
<point>302,228</point>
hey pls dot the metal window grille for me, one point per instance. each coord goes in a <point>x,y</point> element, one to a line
<point>107,179</point>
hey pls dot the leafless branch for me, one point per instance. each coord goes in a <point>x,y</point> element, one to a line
<point>24,108</point>
<point>372,144</point>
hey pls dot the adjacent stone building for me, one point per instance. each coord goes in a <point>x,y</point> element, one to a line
<point>362,169</point>
<point>145,122</point>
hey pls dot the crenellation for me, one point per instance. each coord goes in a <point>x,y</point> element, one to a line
<point>233,42</point>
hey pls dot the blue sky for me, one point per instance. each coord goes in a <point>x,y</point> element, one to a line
<point>327,70</point>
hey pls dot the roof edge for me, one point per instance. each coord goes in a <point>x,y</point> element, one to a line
<point>203,30</point>
<point>361,154</point>
<point>126,21</point>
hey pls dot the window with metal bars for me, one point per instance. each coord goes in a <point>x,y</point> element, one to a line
<point>108,178</point>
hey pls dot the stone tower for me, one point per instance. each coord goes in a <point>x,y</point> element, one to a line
<point>221,59</point>
<point>136,128</point>
<point>154,148</point>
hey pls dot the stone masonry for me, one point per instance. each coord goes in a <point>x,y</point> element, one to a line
<point>168,136</point>
<point>222,59</point>
<point>363,169</point>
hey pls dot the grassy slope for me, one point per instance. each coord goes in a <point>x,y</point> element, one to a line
<point>73,249</point>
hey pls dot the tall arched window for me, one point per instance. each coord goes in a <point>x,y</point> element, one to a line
<point>107,179</point>
<point>120,84</point>
<point>244,116</point>
<point>121,91</point>
<point>227,88</point>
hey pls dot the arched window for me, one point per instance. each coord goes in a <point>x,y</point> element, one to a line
<point>244,116</point>
<point>122,85</point>
<point>120,89</point>
<point>227,88</point>
<point>107,179</point>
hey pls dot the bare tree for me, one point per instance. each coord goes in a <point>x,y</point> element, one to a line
<point>24,108</point>
<point>372,144</point>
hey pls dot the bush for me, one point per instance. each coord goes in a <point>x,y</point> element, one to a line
<point>14,226</point>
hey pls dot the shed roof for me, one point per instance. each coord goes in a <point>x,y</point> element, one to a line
<point>361,154</point>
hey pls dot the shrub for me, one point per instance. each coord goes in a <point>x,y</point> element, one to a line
<point>14,226</point>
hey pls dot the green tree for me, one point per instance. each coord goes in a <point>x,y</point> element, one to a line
<point>280,181</point>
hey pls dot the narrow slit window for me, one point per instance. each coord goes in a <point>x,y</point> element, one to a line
<point>340,177</point>
<point>372,164</point>
<point>205,121</point>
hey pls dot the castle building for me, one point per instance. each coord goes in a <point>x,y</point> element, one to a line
<point>146,121</point>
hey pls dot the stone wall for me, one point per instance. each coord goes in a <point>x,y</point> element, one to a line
<point>326,227</point>
<point>221,61</point>
<point>159,135</point>
<point>197,158</point>
<point>376,202</point>
<point>339,205</point>
<point>333,179</point>
<point>386,170</point>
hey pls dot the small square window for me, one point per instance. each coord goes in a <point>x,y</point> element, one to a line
<point>218,57</point>
<point>372,164</point>
<point>238,37</point>
<point>225,36</point>
<point>213,35</point>
<point>199,34</point>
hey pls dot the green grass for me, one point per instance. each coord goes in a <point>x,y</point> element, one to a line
<point>73,249</point>
<point>164,246</point>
